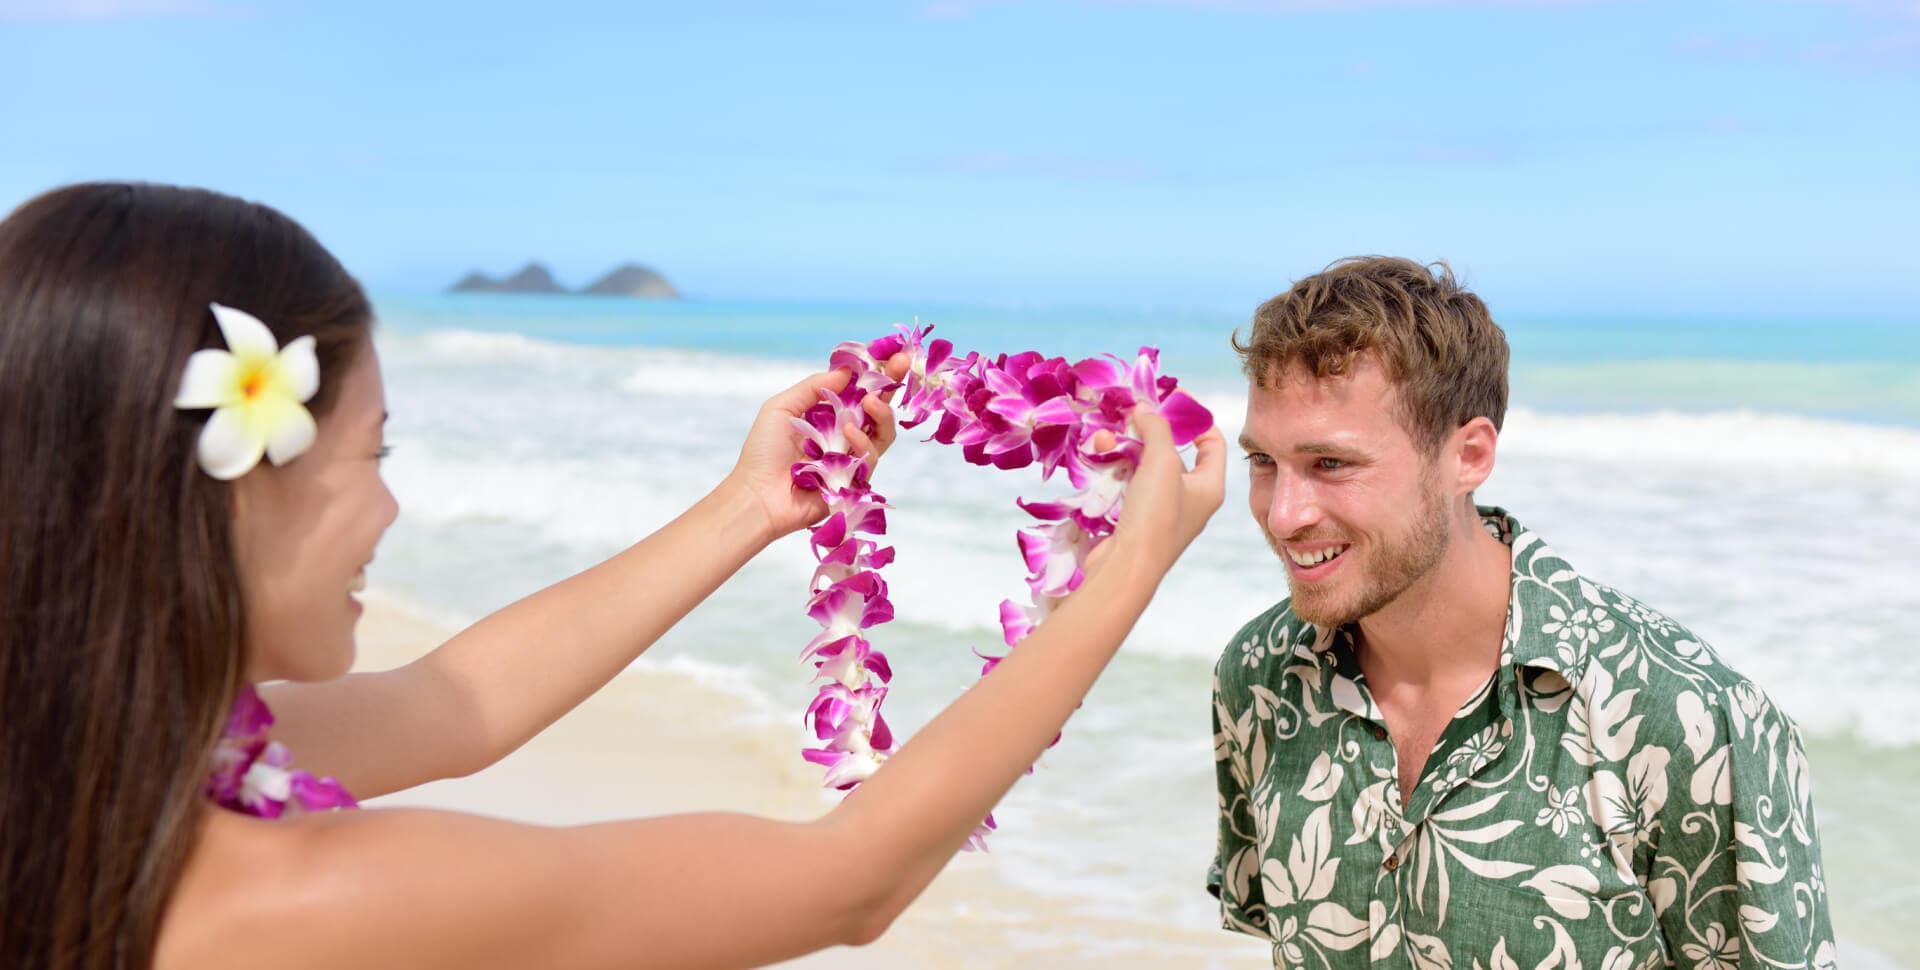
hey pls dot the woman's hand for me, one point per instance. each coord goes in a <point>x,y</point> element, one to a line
<point>763,472</point>
<point>1166,504</point>
<point>484,694</point>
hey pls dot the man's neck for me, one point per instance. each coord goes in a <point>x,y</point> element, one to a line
<point>1447,626</point>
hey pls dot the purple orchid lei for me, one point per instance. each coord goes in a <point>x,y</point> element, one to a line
<point>1008,412</point>
<point>254,776</point>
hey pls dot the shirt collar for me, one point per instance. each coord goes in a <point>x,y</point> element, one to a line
<point>1538,654</point>
<point>1541,582</point>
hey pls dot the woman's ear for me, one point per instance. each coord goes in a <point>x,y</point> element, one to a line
<point>244,499</point>
<point>253,502</point>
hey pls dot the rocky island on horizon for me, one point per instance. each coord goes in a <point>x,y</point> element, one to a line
<point>631,280</point>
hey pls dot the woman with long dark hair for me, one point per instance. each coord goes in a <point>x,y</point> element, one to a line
<point>176,527</point>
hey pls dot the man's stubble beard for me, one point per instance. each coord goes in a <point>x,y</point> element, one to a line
<point>1394,568</point>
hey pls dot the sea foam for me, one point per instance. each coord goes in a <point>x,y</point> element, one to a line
<point>1749,527</point>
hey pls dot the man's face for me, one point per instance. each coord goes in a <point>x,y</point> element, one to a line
<point>1340,490</point>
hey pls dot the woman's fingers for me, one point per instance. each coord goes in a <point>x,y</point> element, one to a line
<point>1210,464</point>
<point>859,444</point>
<point>1190,497</point>
<point>806,393</point>
<point>882,414</point>
<point>1156,435</point>
<point>871,447</point>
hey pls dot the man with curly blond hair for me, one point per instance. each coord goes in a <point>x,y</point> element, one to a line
<point>1446,747</point>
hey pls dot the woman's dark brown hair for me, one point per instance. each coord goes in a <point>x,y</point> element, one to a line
<point>121,619</point>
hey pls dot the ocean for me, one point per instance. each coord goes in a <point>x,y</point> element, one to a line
<point>1757,480</point>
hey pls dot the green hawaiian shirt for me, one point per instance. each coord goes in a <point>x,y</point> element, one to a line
<point>1614,798</point>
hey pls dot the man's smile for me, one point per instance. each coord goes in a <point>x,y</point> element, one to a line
<point>1315,561</point>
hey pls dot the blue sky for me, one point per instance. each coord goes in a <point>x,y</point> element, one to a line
<point>1645,158</point>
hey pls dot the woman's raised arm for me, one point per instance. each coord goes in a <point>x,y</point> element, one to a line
<point>391,888</point>
<point>503,680</point>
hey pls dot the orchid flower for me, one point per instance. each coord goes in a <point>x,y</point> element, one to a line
<point>834,473</point>
<point>850,660</point>
<point>258,392</point>
<point>1186,417</point>
<point>820,426</point>
<point>977,842</point>
<point>847,608</point>
<point>1055,553</point>
<point>849,558</point>
<point>268,783</point>
<point>1038,416</point>
<point>1017,621</point>
<point>1102,479</point>
<point>869,374</point>
<point>857,737</point>
<point>860,513</point>
<point>254,775</point>
<point>1008,412</point>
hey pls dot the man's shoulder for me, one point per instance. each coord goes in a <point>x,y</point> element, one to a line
<point>1656,639</point>
<point>1583,623</point>
<point>1670,666</point>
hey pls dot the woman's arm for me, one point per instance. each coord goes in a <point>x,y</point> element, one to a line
<point>410,888</point>
<point>503,680</point>
<point>915,811</point>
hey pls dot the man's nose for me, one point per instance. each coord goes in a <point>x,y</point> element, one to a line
<point>1293,507</point>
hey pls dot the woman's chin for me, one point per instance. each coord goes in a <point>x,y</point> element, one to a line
<point>315,665</point>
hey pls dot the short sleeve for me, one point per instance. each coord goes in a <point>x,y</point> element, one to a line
<point>1234,876</point>
<point>1736,879</point>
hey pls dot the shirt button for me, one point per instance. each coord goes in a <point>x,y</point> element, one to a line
<point>1379,733</point>
<point>1392,863</point>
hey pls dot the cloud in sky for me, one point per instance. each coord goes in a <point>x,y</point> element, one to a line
<point>68,11</point>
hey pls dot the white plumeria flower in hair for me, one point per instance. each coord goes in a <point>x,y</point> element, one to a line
<point>258,392</point>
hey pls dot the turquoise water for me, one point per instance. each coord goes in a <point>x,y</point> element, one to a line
<point>1758,481</point>
<point>1861,370</point>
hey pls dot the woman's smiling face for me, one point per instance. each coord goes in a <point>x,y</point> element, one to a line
<point>304,533</point>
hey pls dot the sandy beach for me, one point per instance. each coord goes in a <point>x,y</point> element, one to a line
<point>603,760</point>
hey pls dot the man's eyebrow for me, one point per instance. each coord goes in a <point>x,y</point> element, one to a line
<point>1304,448</point>
<point>1319,448</point>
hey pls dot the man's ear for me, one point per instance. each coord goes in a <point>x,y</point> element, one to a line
<point>1475,443</point>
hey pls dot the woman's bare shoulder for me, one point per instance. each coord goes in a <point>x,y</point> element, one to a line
<point>410,888</point>
<point>372,888</point>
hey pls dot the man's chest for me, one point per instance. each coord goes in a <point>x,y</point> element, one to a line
<point>1416,726</point>
<point>1445,843</point>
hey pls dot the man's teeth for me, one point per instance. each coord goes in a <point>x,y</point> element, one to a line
<point>359,584</point>
<point>1318,557</point>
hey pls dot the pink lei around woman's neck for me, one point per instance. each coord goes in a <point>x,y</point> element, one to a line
<point>254,776</point>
